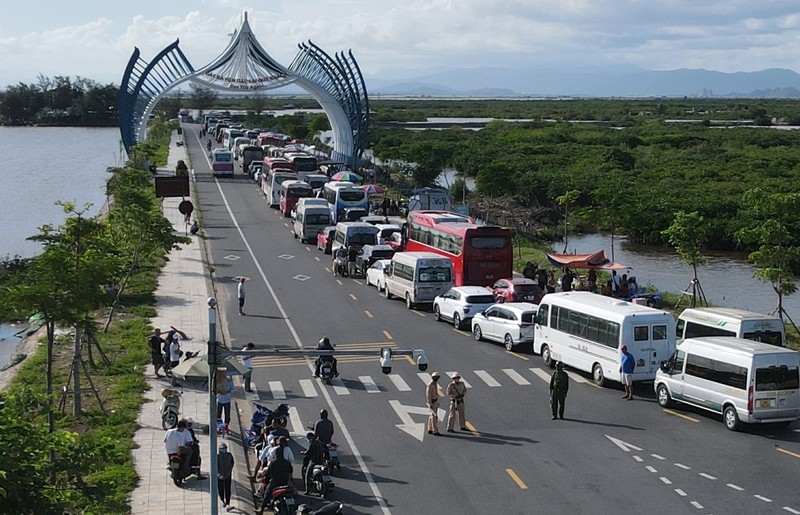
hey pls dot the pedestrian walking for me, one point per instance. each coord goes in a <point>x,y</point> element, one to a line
<point>559,385</point>
<point>627,364</point>
<point>456,391</point>
<point>240,293</point>
<point>156,342</point>
<point>432,400</point>
<point>224,475</point>
<point>247,361</point>
<point>224,394</point>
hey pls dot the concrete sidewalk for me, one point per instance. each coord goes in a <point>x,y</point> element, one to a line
<point>183,289</point>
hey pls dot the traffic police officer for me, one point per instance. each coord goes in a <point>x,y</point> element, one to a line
<point>559,384</point>
<point>456,390</point>
<point>432,400</point>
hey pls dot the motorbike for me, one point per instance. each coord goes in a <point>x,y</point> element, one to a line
<point>326,370</point>
<point>282,500</point>
<point>332,507</point>
<point>333,454</point>
<point>262,417</point>
<point>341,266</point>
<point>175,473</point>
<point>170,408</point>
<point>321,480</point>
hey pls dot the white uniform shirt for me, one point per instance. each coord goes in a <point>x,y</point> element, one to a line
<point>175,439</point>
<point>247,359</point>
<point>240,291</point>
<point>271,453</point>
<point>174,347</point>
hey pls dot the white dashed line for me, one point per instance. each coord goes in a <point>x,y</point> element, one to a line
<point>541,374</point>
<point>339,387</point>
<point>308,388</point>
<point>651,469</point>
<point>762,498</point>
<point>665,480</point>
<point>638,458</point>
<point>790,510</point>
<point>276,387</point>
<point>682,466</point>
<point>680,492</point>
<point>656,456</point>
<point>696,505</point>
<point>516,377</point>
<point>489,380</point>
<point>707,476</point>
<point>399,383</point>
<point>369,384</point>
<point>735,487</point>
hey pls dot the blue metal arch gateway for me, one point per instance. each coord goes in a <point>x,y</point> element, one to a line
<point>335,82</point>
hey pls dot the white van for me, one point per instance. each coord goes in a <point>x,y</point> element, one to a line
<point>696,322</point>
<point>309,220</point>
<point>418,277</point>
<point>745,381</point>
<point>386,231</point>
<point>354,233</point>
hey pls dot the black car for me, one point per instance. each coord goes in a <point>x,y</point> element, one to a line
<point>371,253</point>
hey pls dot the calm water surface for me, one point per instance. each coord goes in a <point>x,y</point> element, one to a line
<point>42,165</point>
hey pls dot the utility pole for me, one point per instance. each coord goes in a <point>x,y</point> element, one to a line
<point>212,401</point>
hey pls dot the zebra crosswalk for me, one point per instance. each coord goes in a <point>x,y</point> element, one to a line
<point>309,388</point>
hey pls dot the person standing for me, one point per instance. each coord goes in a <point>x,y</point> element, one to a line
<point>456,391</point>
<point>432,400</point>
<point>175,353</point>
<point>559,385</point>
<point>627,364</point>
<point>224,474</point>
<point>240,293</point>
<point>156,342</point>
<point>247,362</point>
<point>224,401</point>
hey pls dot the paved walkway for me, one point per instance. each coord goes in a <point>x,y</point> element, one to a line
<point>181,295</point>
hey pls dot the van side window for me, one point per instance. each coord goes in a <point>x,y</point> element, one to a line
<point>541,315</point>
<point>679,328</point>
<point>641,333</point>
<point>770,337</point>
<point>677,365</point>
<point>777,378</point>
<point>693,330</point>
<point>716,371</point>
<point>659,332</point>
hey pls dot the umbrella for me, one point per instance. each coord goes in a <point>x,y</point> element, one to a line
<point>346,176</point>
<point>374,189</point>
<point>197,367</point>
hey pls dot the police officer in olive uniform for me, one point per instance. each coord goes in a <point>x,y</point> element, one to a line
<point>559,384</point>
<point>432,400</point>
<point>456,392</point>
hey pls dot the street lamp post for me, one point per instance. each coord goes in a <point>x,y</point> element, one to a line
<point>212,401</point>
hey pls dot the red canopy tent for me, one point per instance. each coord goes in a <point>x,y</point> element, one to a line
<point>598,261</point>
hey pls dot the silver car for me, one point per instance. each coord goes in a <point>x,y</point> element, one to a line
<point>460,303</point>
<point>509,323</point>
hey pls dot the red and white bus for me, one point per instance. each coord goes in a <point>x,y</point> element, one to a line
<point>481,254</point>
<point>221,162</point>
<point>291,192</point>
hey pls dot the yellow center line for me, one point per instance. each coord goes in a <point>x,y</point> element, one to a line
<point>352,296</point>
<point>375,345</point>
<point>790,453</point>
<point>387,335</point>
<point>513,475</point>
<point>472,429</point>
<point>520,356</point>
<point>408,358</point>
<point>680,415</point>
<point>368,314</point>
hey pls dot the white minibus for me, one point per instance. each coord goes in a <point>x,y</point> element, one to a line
<point>696,322</point>
<point>354,233</point>
<point>417,277</point>
<point>309,220</point>
<point>587,331</point>
<point>271,184</point>
<point>221,162</point>
<point>744,380</point>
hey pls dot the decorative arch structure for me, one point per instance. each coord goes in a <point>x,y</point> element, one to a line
<point>333,81</point>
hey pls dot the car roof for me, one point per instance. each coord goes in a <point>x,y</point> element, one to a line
<point>472,290</point>
<point>378,247</point>
<point>519,280</point>
<point>517,306</point>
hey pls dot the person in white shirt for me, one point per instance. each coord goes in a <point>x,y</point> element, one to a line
<point>178,441</point>
<point>174,355</point>
<point>240,293</point>
<point>247,361</point>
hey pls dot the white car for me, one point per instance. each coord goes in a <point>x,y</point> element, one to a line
<point>374,275</point>
<point>460,303</point>
<point>509,323</point>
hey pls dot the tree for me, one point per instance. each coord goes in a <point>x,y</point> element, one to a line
<point>688,233</point>
<point>774,226</point>
<point>566,200</point>
<point>202,98</point>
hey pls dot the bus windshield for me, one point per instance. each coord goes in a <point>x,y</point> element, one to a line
<point>351,195</point>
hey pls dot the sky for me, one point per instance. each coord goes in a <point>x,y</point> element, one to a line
<point>94,39</point>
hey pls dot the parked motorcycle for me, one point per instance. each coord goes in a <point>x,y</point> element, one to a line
<point>332,507</point>
<point>321,480</point>
<point>170,408</point>
<point>282,501</point>
<point>262,417</point>
<point>175,472</point>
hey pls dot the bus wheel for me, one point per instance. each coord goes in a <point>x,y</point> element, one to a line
<point>731,418</point>
<point>664,399</point>
<point>597,375</point>
<point>547,357</point>
<point>409,304</point>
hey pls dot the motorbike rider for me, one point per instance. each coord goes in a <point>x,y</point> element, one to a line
<point>179,441</point>
<point>325,344</point>
<point>279,472</point>
<point>208,145</point>
<point>316,454</point>
<point>194,459</point>
<point>323,428</point>
<point>340,261</point>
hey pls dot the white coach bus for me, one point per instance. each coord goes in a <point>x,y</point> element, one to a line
<point>586,331</point>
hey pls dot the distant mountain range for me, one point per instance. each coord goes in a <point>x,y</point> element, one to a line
<point>610,82</point>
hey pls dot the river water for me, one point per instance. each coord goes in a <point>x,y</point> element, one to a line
<point>41,165</point>
<point>727,279</point>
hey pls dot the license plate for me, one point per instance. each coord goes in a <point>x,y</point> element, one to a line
<point>289,501</point>
<point>326,478</point>
<point>764,403</point>
<point>334,454</point>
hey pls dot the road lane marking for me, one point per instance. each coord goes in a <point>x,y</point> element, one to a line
<point>625,446</point>
<point>665,480</point>
<point>307,386</point>
<point>387,335</point>
<point>517,355</point>
<point>339,387</point>
<point>516,377</point>
<point>369,384</point>
<point>735,487</point>
<point>358,282</point>
<point>366,312</point>
<point>489,380</point>
<point>658,457</point>
<point>790,453</point>
<point>790,510</point>
<point>352,296</point>
<point>277,390</point>
<point>682,466</point>
<point>707,476</point>
<point>541,373</point>
<point>651,469</point>
<point>297,425</point>
<point>762,498</point>
<point>680,492</point>
<point>472,428</point>
<point>418,313</point>
<point>514,477</point>
<point>637,458</point>
<point>399,383</point>
<point>577,378</point>
<point>696,505</point>
<point>317,258</point>
<point>452,373</point>
<point>680,415</point>
<point>338,282</point>
<point>373,485</point>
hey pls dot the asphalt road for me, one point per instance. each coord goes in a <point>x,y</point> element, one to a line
<point>608,456</point>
